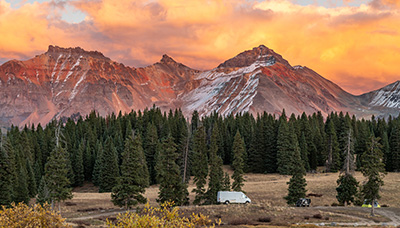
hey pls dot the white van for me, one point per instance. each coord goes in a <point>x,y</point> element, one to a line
<point>232,197</point>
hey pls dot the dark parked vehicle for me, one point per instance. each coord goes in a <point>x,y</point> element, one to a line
<point>303,202</point>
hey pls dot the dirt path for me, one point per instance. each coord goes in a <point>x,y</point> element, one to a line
<point>97,215</point>
<point>362,221</point>
<point>395,217</point>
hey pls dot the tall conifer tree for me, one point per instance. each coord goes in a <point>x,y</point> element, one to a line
<point>227,182</point>
<point>393,161</point>
<point>172,188</point>
<point>77,165</point>
<point>21,192</point>
<point>374,170</point>
<point>297,184</point>
<point>134,174</point>
<point>216,176</point>
<point>6,177</point>
<point>109,169</point>
<point>200,167</point>
<point>150,148</point>
<point>31,179</point>
<point>43,195</point>
<point>287,148</point>
<point>238,162</point>
<point>347,184</point>
<point>56,172</point>
<point>333,153</point>
<point>97,164</point>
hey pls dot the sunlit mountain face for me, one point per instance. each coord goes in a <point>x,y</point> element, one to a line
<point>65,82</point>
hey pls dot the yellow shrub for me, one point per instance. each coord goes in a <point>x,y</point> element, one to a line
<point>161,217</point>
<point>21,215</point>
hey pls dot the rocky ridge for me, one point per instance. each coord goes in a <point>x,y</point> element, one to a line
<point>65,81</point>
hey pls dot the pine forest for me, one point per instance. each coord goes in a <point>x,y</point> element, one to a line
<point>125,154</point>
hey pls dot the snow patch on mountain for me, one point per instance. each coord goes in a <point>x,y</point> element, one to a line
<point>55,68</point>
<point>225,93</point>
<point>72,68</point>
<point>75,89</point>
<point>262,61</point>
<point>388,96</point>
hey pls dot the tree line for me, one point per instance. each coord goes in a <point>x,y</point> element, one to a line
<point>124,154</point>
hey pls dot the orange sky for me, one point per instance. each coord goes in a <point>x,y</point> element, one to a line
<point>356,47</point>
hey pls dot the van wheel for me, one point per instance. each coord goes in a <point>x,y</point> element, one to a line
<point>227,202</point>
<point>247,202</point>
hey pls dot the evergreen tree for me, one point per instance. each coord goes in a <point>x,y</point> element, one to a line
<point>216,176</point>
<point>200,167</point>
<point>172,188</point>
<point>21,192</point>
<point>195,120</point>
<point>287,148</point>
<point>347,184</point>
<point>270,130</point>
<point>31,179</point>
<point>319,142</point>
<point>393,161</point>
<point>150,148</point>
<point>43,195</point>
<point>109,169</point>
<point>134,174</point>
<point>347,189</point>
<point>307,147</point>
<point>386,151</point>
<point>361,140</point>
<point>97,164</point>
<point>56,172</point>
<point>304,151</point>
<point>38,171</point>
<point>77,165</point>
<point>297,183</point>
<point>227,182</point>
<point>89,154</point>
<point>6,178</point>
<point>333,154</point>
<point>13,168</point>
<point>374,170</point>
<point>257,151</point>
<point>238,162</point>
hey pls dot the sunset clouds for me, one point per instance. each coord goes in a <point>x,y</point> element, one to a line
<point>355,47</point>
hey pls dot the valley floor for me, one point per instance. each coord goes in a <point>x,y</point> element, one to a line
<point>90,209</point>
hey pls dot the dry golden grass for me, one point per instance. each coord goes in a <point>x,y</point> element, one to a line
<point>271,188</point>
<point>265,190</point>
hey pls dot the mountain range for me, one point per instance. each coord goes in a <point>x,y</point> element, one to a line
<point>64,82</point>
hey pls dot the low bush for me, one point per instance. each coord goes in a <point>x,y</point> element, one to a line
<point>240,221</point>
<point>264,219</point>
<point>317,216</point>
<point>164,216</point>
<point>22,215</point>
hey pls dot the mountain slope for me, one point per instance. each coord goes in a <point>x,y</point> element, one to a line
<point>386,100</point>
<point>261,80</point>
<point>63,82</point>
<point>66,81</point>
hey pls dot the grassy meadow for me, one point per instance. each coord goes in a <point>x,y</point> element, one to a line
<point>90,209</point>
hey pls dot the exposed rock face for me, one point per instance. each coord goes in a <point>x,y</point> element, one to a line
<point>386,100</point>
<point>260,80</point>
<point>66,81</point>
